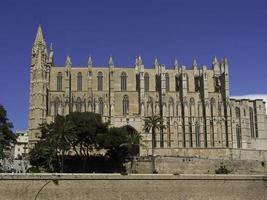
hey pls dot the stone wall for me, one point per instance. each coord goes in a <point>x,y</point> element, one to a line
<point>131,187</point>
<point>205,161</point>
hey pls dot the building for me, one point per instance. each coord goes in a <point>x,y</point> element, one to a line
<point>193,102</point>
<point>21,147</point>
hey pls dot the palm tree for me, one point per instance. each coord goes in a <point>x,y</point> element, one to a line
<point>132,144</point>
<point>153,123</point>
<point>60,136</point>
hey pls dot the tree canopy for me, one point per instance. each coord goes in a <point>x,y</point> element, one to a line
<point>80,135</point>
<point>6,134</point>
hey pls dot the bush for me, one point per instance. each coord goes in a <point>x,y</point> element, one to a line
<point>222,170</point>
<point>33,170</point>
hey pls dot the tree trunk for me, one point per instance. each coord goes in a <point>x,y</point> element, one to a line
<point>62,161</point>
<point>152,151</point>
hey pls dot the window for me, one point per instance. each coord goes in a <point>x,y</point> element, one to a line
<point>59,81</point>
<point>99,81</point>
<point>101,106</point>
<point>158,83</point>
<point>177,83</point>
<point>197,135</point>
<point>123,81</point>
<point>137,82</point>
<point>146,82</point>
<point>79,105</point>
<point>190,134</point>
<point>125,104</point>
<point>171,107</point>
<point>56,106</point>
<point>238,136</point>
<point>237,114</point>
<point>212,132</point>
<point>167,78</point>
<point>251,122</point>
<point>79,81</point>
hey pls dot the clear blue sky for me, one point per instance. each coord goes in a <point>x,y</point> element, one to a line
<point>124,28</point>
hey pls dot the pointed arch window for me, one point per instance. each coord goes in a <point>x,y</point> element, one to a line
<point>177,83</point>
<point>59,81</point>
<point>197,135</point>
<point>251,121</point>
<point>171,107</point>
<point>238,136</point>
<point>125,105</point>
<point>167,79</point>
<point>212,109</point>
<point>146,82</point>
<point>158,82</point>
<point>79,105</point>
<point>79,81</point>
<point>123,81</point>
<point>99,81</point>
<point>56,106</point>
<point>101,106</point>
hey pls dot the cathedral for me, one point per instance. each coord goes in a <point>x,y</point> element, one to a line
<point>193,102</point>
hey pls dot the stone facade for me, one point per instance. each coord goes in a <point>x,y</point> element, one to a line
<point>194,102</point>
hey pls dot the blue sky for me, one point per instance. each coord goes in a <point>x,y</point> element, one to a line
<point>165,29</point>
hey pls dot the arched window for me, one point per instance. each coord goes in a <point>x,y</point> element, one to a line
<point>251,122</point>
<point>171,107</point>
<point>79,81</point>
<point>59,81</point>
<point>146,82</point>
<point>212,132</point>
<point>79,105</point>
<point>197,127</point>
<point>158,82</point>
<point>150,106</point>
<point>238,136</point>
<point>125,105</point>
<point>101,106</point>
<point>237,114</point>
<point>56,106</point>
<point>123,81</point>
<point>177,83</point>
<point>190,134</point>
<point>99,81</point>
<point>167,79</point>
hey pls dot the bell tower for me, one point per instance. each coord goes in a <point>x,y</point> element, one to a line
<point>39,79</point>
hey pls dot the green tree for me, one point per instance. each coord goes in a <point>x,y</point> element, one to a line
<point>59,136</point>
<point>6,134</point>
<point>87,126</point>
<point>153,123</point>
<point>132,144</point>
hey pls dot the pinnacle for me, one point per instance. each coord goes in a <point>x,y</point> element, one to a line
<point>90,62</point>
<point>156,63</point>
<point>68,61</point>
<point>39,36</point>
<point>110,62</point>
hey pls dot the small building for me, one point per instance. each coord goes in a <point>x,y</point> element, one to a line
<point>21,147</point>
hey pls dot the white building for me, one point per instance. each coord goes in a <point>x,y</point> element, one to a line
<point>21,147</point>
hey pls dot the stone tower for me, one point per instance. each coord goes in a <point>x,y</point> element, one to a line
<point>39,79</point>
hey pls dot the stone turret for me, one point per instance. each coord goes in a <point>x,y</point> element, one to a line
<point>39,83</point>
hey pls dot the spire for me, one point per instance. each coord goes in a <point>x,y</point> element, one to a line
<point>39,36</point>
<point>68,61</point>
<point>110,62</point>
<point>90,62</point>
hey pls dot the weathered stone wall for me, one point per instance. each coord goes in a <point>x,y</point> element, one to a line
<point>131,187</point>
<point>205,161</point>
